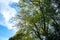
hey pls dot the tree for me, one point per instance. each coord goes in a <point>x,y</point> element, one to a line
<point>34,19</point>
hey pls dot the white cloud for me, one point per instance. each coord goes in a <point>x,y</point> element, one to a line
<point>15,1</point>
<point>7,13</point>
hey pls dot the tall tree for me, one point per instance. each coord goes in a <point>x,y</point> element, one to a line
<point>35,20</point>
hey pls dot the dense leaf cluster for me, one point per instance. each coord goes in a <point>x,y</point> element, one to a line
<point>38,20</point>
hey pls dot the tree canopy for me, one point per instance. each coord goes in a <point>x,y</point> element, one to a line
<point>38,20</point>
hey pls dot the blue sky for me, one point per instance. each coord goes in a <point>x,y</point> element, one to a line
<point>5,33</point>
<point>8,9</point>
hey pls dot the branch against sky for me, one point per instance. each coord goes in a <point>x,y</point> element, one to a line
<point>7,12</point>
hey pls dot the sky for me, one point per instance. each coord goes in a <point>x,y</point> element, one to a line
<point>8,9</point>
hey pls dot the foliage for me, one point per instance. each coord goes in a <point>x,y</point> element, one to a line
<point>35,19</point>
